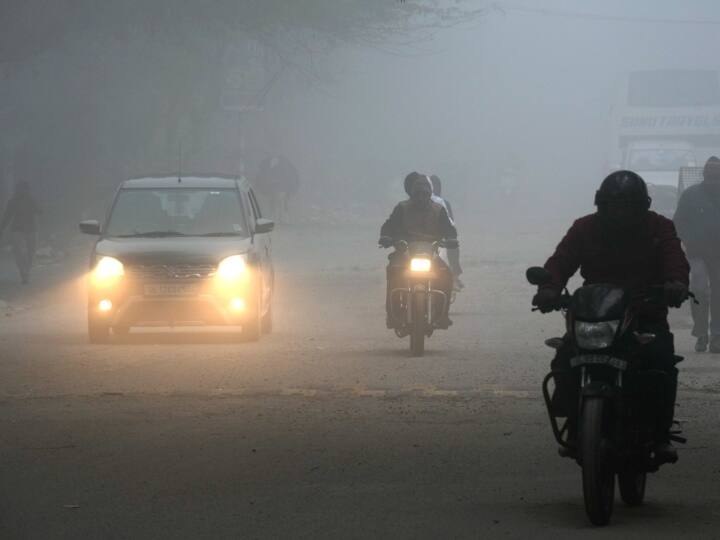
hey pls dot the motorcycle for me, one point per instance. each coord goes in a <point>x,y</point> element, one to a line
<point>416,307</point>
<point>618,397</point>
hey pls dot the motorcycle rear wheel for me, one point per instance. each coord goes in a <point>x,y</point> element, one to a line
<point>632,486</point>
<point>597,471</point>
<point>419,322</point>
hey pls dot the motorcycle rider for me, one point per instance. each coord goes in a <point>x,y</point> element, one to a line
<point>627,245</point>
<point>697,219</point>
<point>413,220</point>
<point>452,253</point>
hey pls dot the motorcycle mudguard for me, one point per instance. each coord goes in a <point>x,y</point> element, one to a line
<point>599,389</point>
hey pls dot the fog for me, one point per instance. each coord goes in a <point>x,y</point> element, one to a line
<point>189,368</point>
<point>474,94</point>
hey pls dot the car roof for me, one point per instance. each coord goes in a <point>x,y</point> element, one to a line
<point>190,181</point>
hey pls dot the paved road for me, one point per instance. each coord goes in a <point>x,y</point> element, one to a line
<point>325,428</point>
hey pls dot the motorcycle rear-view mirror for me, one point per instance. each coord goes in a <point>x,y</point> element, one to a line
<point>537,275</point>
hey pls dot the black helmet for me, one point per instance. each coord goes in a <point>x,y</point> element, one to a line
<point>436,185</point>
<point>623,187</point>
<point>410,179</point>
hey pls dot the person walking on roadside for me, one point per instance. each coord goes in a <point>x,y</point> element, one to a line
<point>20,216</point>
<point>697,220</point>
<point>279,181</point>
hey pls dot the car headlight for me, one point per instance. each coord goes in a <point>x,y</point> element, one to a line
<point>420,265</point>
<point>232,268</point>
<point>107,271</point>
<point>594,336</point>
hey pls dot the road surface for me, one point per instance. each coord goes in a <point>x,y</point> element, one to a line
<point>326,428</point>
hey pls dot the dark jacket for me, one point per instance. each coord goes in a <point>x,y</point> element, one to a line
<point>20,214</point>
<point>652,256</point>
<point>697,219</point>
<point>410,223</point>
<point>283,177</point>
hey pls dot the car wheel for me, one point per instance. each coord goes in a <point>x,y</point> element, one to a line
<point>98,330</point>
<point>267,321</point>
<point>121,330</point>
<point>252,328</point>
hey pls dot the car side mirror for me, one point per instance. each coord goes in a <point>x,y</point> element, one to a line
<point>90,226</point>
<point>263,226</point>
<point>537,275</point>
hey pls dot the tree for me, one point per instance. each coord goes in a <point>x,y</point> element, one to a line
<point>91,87</point>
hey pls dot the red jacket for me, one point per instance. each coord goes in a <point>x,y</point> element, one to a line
<point>652,256</point>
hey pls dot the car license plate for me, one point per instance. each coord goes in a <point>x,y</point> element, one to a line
<point>170,289</point>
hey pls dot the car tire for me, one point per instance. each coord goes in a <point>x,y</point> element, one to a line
<point>98,330</point>
<point>121,330</point>
<point>252,328</point>
<point>267,321</point>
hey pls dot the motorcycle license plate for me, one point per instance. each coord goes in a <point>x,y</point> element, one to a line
<point>599,360</point>
<point>170,289</point>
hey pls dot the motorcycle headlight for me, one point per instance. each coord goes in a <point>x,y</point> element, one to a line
<point>232,268</point>
<point>598,335</point>
<point>420,265</point>
<point>107,271</point>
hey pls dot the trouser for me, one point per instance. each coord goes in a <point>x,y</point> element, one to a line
<point>657,355</point>
<point>454,261</point>
<point>280,207</point>
<point>23,248</point>
<point>397,279</point>
<point>705,283</point>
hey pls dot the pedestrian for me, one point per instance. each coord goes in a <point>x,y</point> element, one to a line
<point>279,180</point>
<point>697,219</point>
<point>20,216</point>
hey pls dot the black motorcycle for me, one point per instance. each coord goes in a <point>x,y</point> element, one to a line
<point>616,420</point>
<point>416,307</point>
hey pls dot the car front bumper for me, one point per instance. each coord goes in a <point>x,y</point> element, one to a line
<point>127,305</point>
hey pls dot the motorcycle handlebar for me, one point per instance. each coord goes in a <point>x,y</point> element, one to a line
<point>653,293</point>
<point>402,245</point>
<point>562,303</point>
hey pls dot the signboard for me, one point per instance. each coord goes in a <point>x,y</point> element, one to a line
<point>674,122</point>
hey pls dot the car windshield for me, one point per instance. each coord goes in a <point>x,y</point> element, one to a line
<point>177,212</point>
<point>660,159</point>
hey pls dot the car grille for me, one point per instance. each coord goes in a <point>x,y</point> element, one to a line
<point>166,272</point>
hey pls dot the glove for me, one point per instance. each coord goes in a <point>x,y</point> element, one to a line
<point>675,293</point>
<point>386,241</point>
<point>546,299</point>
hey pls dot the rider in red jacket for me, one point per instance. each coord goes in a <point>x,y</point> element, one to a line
<point>627,245</point>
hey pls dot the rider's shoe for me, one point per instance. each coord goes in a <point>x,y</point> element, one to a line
<point>443,323</point>
<point>665,452</point>
<point>571,450</point>
<point>459,285</point>
<point>701,344</point>
<point>389,323</point>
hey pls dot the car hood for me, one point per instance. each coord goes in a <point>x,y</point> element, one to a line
<point>183,250</point>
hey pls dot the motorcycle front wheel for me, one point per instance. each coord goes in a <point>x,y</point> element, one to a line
<point>597,469</point>
<point>419,323</point>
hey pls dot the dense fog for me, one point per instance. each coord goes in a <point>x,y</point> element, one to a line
<point>508,103</point>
